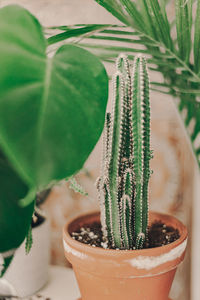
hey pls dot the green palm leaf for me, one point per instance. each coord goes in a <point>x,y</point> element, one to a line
<point>183,28</point>
<point>159,23</point>
<point>74,32</point>
<point>197,40</point>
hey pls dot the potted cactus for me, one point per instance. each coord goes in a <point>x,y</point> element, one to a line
<point>129,262</point>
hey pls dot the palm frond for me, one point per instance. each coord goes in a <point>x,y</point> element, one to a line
<point>183,28</point>
<point>160,23</point>
<point>197,40</point>
<point>74,32</point>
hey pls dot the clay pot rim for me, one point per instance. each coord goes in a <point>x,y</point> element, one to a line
<point>101,251</point>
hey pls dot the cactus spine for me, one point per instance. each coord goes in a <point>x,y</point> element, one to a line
<point>123,185</point>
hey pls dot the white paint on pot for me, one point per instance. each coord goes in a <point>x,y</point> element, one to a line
<point>151,262</point>
<point>74,252</point>
<point>29,273</point>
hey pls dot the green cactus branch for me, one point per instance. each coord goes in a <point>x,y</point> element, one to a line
<point>123,184</point>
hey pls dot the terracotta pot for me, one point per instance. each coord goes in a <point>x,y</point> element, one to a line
<point>104,274</point>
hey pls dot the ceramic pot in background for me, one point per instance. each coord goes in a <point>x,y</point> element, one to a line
<point>104,274</point>
<point>29,273</point>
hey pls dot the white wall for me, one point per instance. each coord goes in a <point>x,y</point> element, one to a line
<point>195,284</point>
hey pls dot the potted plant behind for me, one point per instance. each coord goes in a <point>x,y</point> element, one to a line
<point>32,258</point>
<point>136,253</point>
<point>50,108</point>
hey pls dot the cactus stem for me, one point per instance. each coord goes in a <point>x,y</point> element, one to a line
<point>123,187</point>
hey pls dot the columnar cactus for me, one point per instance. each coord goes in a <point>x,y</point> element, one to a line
<point>123,185</point>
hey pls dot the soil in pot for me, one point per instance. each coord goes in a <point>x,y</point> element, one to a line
<point>159,234</point>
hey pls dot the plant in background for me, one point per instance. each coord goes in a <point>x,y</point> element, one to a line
<point>172,44</point>
<point>123,185</point>
<point>51,116</point>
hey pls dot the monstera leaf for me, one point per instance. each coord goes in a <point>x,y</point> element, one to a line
<point>51,109</point>
<point>51,116</point>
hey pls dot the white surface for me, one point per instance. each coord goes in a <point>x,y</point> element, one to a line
<point>61,286</point>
